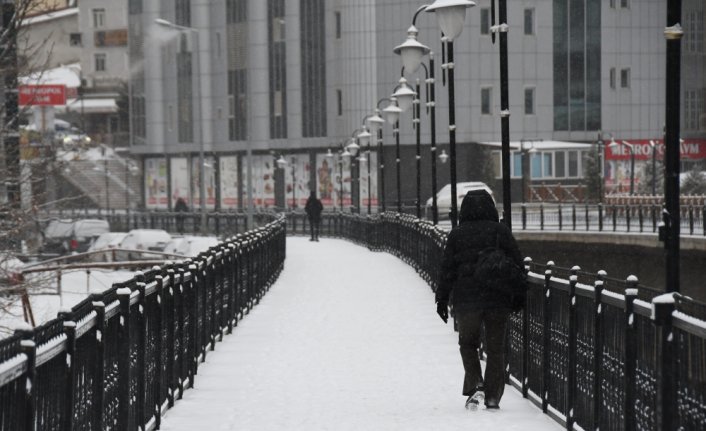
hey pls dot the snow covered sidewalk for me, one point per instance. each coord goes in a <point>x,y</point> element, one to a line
<point>347,339</point>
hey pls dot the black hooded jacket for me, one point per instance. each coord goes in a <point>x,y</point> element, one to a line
<point>478,229</point>
<point>313,208</point>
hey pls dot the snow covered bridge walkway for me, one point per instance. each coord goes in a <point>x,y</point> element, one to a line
<point>346,339</point>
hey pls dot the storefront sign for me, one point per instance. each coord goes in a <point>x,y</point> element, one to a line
<point>42,95</point>
<point>692,149</point>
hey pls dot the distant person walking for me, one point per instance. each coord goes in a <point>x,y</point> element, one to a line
<point>180,208</point>
<point>313,210</point>
<point>482,274</point>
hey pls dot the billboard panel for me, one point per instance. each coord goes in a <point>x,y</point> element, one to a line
<point>179,169</point>
<point>229,182</point>
<point>156,183</point>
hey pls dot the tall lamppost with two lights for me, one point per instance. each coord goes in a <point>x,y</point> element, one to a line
<point>451,15</point>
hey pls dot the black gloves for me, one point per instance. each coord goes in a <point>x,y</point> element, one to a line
<point>442,309</point>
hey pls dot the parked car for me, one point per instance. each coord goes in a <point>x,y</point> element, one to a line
<point>66,236</point>
<point>106,241</point>
<point>173,245</point>
<point>193,245</point>
<point>443,198</point>
<point>143,239</point>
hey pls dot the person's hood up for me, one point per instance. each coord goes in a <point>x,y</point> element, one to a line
<point>478,205</point>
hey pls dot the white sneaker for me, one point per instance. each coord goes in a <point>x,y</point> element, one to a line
<point>475,401</point>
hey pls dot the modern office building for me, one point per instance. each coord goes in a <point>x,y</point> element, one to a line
<point>295,78</point>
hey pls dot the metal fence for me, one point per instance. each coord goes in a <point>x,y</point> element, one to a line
<point>119,359</point>
<point>606,218</point>
<point>591,351</point>
<point>635,218</point>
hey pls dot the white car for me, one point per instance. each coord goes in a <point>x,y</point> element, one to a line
<point>193,245</point>
<point>106,241</point>
<point>144,239</point>
<point>443,198</point>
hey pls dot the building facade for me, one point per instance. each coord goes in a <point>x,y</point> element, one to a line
<point>295,78</point>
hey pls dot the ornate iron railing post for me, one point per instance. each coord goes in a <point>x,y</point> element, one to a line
<point>630,364</point>
<point>546,336</point>
<point>597,347</point>
<point>124,374</point>
<point>98,362</point>
<point>571,383</point>
<point>662,309</point>
<point>29,348</point>
<point>70,331</point>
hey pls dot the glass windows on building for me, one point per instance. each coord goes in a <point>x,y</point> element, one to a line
<point>98,18</point>
<point>137,72</point>
<point>185,82</point>
<point>486,98</point>
<point>237,104</point>
<point>236,11</point>
<point>277,69</point>
<point>577,65</point>
<point>625,77</point>
<point>313,64</point>
<point>485,21</point>
<point>99,62</point>
<point>182,9</point>
<point>693,109</point>
<point>339,102</point>
<point>237,49</point>
<point>693,41</point>
<point>545,165</point>
<point>529,101</point>
<point>529,21</point>
<point>338,24</point>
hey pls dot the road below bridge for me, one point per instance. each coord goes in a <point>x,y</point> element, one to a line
<point>346,339</point>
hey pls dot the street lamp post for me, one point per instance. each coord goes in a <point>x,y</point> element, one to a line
<point>673,34</point>
<point>197,76</point>
<point>653,147</point>
<point>374,123</point>
<point>282,164</point>
<point>392,114</point>
<point>412,53</point>
<point>451,15</point>
<point>524,152</point>
<point>502,28</point>
<point>294,184</point>
<point>601,166</point>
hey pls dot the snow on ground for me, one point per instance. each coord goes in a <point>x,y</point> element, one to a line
<point>346,339</point>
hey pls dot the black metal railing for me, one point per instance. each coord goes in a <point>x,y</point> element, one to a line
<point>119,359</point>
<point>620,218</point>
<point>589,350</point>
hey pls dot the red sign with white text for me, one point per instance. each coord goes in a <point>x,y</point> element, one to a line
<point>42,95</point>
<point>691,149</point>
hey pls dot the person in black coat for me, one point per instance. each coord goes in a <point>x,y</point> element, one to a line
<point>473,302</point>
<point>313,210</point>
<point>180,208</point>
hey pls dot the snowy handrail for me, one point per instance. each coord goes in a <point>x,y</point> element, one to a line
<point>590,351</point>
<point>119,357</point>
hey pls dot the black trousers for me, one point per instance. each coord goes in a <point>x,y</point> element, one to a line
<point>314,225</point>
<point>469,334</point>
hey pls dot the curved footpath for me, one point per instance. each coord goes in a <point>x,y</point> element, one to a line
<point>347,339</point>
